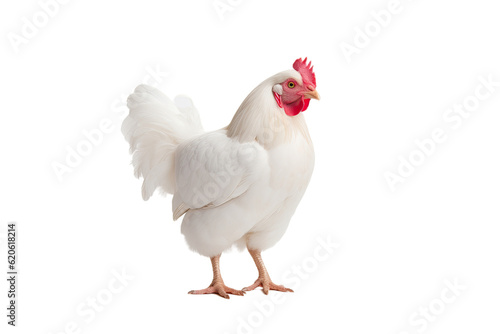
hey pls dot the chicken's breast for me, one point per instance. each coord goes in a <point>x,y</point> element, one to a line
<point>236,192</point>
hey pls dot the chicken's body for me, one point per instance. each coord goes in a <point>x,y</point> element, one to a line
<point>271,184</point>
<point>236,186</point>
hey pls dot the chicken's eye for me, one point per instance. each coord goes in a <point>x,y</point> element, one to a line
<point>291,84</point>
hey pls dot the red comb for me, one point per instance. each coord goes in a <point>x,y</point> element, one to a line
<point>305,70</point>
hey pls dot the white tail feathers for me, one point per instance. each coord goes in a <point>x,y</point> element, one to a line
<point>154,128</point>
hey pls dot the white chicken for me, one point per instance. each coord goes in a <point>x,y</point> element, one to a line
<point>236,186</point>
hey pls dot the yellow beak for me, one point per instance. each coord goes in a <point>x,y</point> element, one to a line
<point>312,94</point>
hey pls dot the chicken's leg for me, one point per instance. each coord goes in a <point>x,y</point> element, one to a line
<point>217,286</point>
<point>264,280</point>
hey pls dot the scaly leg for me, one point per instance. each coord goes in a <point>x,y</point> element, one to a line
<point>264,280</point>
<point>217,286</point>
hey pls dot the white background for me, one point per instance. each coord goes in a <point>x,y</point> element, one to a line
<point>397,248</point>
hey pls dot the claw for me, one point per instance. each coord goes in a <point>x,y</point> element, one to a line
<point>219,289</point>
<point>266,285</point>
<point>264,280</point>
<point>217,286</point>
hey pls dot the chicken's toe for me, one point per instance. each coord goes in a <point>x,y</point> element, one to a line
<point>219,289</point>
<point>266,285</point>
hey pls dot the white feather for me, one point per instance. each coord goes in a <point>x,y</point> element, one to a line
<point>213,169</point>
<point>154,128</point>
<point>236,186</point>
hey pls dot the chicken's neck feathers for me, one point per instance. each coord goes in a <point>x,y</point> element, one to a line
<point>259,117</point>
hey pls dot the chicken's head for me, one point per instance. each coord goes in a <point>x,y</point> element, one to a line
<point>294,95</point>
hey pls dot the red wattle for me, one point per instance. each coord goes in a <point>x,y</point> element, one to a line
<point>306,104</point>
<point>294,108</point>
